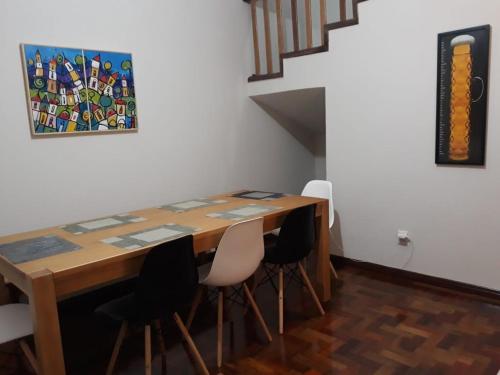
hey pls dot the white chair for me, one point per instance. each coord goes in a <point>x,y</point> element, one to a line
<point>16,324</point>
<point>238,255</point>
<point>320,189</point>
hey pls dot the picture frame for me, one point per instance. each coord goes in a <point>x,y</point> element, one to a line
<point>462,96</point>
<point>76,91</point>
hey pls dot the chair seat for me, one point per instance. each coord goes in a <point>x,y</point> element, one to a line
<point>123,308</point>
<point>15,322</point>
<point>129,309</point>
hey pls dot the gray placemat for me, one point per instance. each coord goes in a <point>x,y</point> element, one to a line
<point>259,195</point>
<point>149,236</point>
<point>243,212</point>
<point>36,248</point>
<point>192,204</point>
<point>102,224</point>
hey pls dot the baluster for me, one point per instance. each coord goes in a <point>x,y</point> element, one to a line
<point>267,28</point>
<point>323,18</point>
<point>295,26</point>
<point>279,16</point>
<point>309,31</point>
<point>255,38</point>
<point>343,10</point>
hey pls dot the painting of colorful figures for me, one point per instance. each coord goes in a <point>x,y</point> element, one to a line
<point>77,91</point>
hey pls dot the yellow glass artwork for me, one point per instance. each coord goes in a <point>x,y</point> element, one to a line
<point>460,103</point>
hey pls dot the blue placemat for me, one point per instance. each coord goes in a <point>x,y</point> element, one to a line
<point>36,248</point>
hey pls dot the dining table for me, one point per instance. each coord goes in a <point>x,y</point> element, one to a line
<point>53,264</point>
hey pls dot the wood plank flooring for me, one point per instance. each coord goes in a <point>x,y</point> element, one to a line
<point>374,325</point>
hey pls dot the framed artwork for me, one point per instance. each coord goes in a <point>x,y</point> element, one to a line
<point>79,91</point>
<point>462,96</point>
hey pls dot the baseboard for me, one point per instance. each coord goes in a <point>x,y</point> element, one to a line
<point>455,287</point>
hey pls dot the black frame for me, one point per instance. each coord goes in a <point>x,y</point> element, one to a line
<point>479,110</point>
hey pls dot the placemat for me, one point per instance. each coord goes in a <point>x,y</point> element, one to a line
<point>243,212</point>
<point>102,224</point>
<point>149,236</point>
<point>36,248</point>
<point>259,195</point>
<point>191,204</point>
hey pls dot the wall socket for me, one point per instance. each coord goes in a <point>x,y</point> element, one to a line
<point>403,237</point>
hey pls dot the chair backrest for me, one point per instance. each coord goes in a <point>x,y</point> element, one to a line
<point>296,238</point>
<point>321,189</point>
<point>239,253</point>
<point>168,278</point>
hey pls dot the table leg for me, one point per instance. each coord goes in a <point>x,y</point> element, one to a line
<point>46,324</point>
<point>322,271</point>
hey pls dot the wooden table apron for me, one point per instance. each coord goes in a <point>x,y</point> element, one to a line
<point>47,280</point>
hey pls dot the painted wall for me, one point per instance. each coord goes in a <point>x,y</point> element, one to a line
<point>380,79</point>
<point>199,132</point>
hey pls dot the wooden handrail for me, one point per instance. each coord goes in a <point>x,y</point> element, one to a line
<point>256,52</point>
<point>267,28</point>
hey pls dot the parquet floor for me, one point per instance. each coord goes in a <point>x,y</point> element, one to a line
<point>374,325</point>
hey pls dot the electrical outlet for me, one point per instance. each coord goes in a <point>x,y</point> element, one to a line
<point>403,235</point>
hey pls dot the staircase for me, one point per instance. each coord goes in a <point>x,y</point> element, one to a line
<point>289,28</point>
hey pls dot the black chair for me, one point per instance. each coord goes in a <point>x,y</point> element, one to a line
<point>287,250</point>
<point>166,283</point>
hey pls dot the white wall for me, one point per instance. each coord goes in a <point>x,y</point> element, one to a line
<point>199,133</point>
<point>380,79</point>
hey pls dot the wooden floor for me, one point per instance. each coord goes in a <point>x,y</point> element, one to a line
<point>374,325</point>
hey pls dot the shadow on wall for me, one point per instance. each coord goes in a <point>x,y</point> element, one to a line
<point>303,135</point>
<point>336,243</point>
<point>300,112</point>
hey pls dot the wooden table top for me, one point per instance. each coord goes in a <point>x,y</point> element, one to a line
<point>93,250</point>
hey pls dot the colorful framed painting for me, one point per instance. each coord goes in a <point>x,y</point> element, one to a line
<point>74,91</point>
<point>462,96</point>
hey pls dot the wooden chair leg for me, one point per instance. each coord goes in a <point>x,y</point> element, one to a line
<point>311,289</point>
<point>147,349</point>
<point>257,312</point>
<point>220,317</point>
<point>29,354</point>
<point>334,272</point>
<point>280,299</point>
<point>196,302</point>
<point>163,348</point>
<point>192,346</point>
<point>116,349</point>
<point>253,287</point>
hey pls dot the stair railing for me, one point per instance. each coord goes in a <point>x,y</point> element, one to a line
<point>289,28</point>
